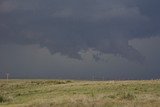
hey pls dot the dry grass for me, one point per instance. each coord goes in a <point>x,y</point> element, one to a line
<point>61,93</point>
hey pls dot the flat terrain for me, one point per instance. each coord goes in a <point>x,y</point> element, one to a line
<point>68,93</point>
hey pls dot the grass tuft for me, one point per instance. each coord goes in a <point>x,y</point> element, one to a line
<point>126,96</point>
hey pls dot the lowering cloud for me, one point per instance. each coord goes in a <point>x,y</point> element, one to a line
<point>72,26</point>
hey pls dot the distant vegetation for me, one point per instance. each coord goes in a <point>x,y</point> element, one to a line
<point>68,93</point>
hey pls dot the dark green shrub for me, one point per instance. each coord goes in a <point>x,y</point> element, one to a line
<point>2,99</point>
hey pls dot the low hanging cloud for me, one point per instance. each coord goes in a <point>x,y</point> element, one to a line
<point>71,26</point>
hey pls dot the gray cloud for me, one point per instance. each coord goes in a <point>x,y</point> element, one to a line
<point>69,27</point>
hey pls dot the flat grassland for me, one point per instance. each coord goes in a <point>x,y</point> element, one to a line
<point>70,93</point>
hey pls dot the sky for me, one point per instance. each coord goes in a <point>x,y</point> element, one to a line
<point>80,39</point>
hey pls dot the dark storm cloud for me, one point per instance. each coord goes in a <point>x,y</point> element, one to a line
<point>71,26</point>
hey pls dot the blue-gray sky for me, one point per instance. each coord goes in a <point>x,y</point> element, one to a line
<point>74,39</point>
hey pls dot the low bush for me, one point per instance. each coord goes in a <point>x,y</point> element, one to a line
<point>4,99</point>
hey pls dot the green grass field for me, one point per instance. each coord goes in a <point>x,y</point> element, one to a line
<point>68,93</point>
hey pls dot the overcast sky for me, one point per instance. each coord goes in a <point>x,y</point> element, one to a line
<point>76,39</point>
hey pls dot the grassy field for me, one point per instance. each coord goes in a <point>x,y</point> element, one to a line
<point>68,93</point>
